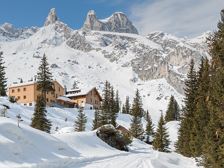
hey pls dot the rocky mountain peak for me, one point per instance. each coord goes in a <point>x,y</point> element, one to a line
<point>117,22</point>
<point>8,27</point>
<point>91,22</point>
<point>51,18</point>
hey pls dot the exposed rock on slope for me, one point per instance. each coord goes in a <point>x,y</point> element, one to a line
<point>8,32</point>
<point>51,18</point>
<point>129,61</point>
<point>118,22</point>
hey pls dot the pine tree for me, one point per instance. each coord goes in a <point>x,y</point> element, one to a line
<point>185,130</point>
<point>39,120</point>
<point>123,110</point>
<point>201,114</point>
<point>117,102</point>
<point>2,77</point>
<point>126,109</point>
<point>137,105</point>
<point>136,127</point>
<point>75,84</point>
<point>137,113</point>
<point>44,78</point>
<point>80,122</point>
<point>213,149</point>
<point>113,109</point>
<point>161,140</point>
<point>96,121</point>
<point>173,110</point>
<point>105,116</point>
<point>149,128</point>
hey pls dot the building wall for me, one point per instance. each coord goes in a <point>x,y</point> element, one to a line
<point>80,101</point>
<point>27,94</point>
<point>52,95</point>
<point>24,94</point>
<point>93,98</point>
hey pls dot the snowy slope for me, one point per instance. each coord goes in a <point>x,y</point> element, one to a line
<point>27,147</point>
<point>89,68</point>
<point>155,64</point>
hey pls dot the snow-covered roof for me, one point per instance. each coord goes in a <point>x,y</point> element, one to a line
<point>22,84</point>
<point>27,83</point>
<point>64,99</point>
<point>78,92</point>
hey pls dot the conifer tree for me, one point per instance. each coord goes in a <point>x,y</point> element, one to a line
<point>137,105</point>
<point>201,113</point>
<point>39,120</point>
<point>105,116</point>
<point>96,121</point>
<point>173,110</point>
<point>80,122</point>
<point>161,140</point>
<point>123,110</point>
<point>185,130</point>
<point>113,109</point>
<point>117,102</point>
<point>213,149</point>
<point>2,77</point>
<point>149,128</point>
<point>137,112</point>
<point>136,126</point>
<point>127,106</point>
<point>44,78</point>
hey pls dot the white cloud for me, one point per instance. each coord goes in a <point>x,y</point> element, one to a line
<point>179,17</point>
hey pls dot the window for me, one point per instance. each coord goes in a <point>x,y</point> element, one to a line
<point>24,89</point>
<point>47,100</point>
<point>56,96</point>
<point>24,97</point>
<point>59,89</point>
<point>30,104</point>
<point>18,97</point>
<point>24,104</point>
<point>13,90</point>
<point>18,89</point>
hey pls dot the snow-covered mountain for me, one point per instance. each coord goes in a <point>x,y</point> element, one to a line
<point>8,32</point>
<point>156,64</point>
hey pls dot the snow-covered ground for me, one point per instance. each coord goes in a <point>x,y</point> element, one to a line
<point>26,147</point>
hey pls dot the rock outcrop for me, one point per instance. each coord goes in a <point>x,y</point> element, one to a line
<point>51,18</point>
<point>118,22</point>
<point>8,32</point>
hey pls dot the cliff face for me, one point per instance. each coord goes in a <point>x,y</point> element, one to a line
<point>145,58</point>
<point>118,22</point>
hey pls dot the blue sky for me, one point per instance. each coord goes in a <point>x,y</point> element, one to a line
<point>178,17</point>
<point>23,13</point>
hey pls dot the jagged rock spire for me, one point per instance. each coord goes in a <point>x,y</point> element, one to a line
<point>91,21</point>
<point>118,22</point>
<point>51,18</point>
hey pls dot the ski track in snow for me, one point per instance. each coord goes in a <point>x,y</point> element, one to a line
<point>26,147</point>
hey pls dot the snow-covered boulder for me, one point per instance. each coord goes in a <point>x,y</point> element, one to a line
<point>113,137</point>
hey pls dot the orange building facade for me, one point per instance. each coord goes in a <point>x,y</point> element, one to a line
<point>85,97</point>
<point>27,93</point>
